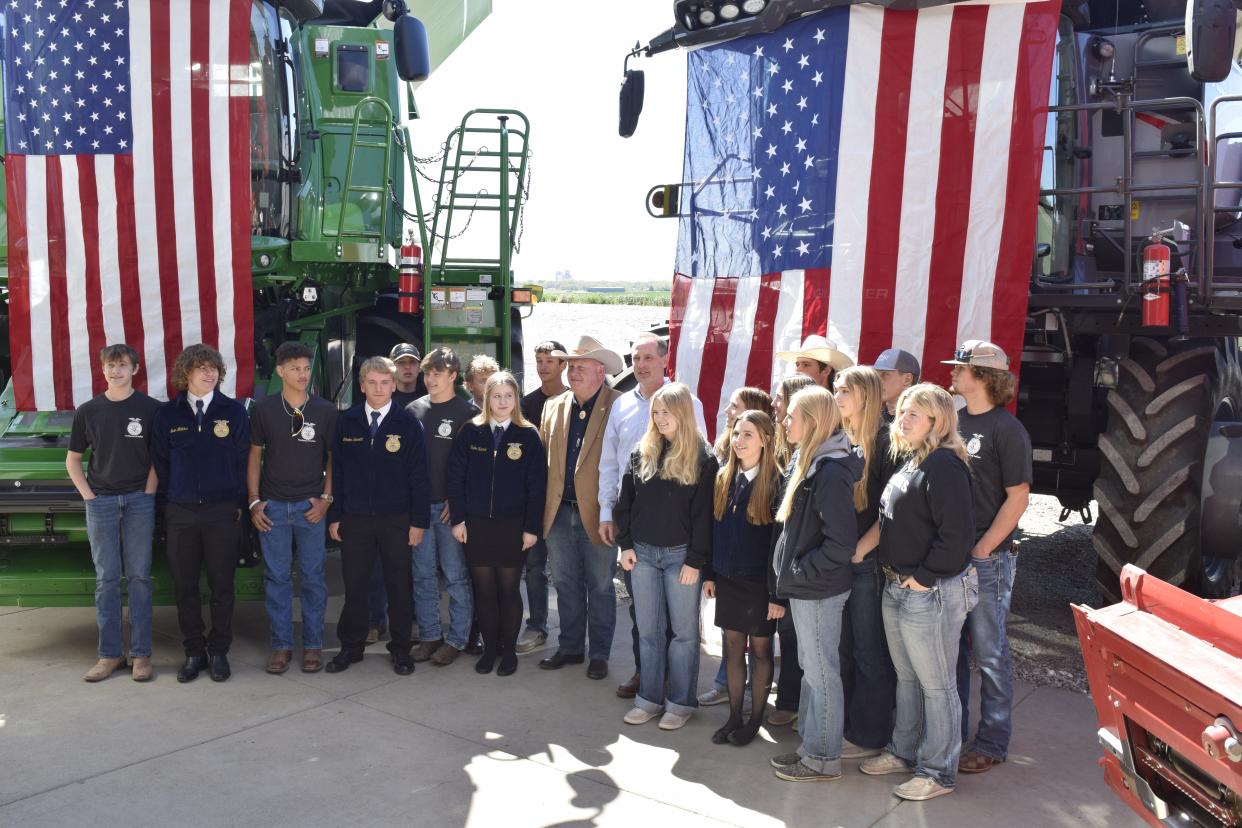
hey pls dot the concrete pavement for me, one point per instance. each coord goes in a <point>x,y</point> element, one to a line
<point>448,747</point>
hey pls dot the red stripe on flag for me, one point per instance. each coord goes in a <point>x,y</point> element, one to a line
<point>88,194</point>
<point>200,153</point>
<point>759,363</point>
<point>165,217</point>
<point>19,283</point>
<point>1026,142</point>
<point>815,284</point>
<point>57,285</point>
<point>892,112</point>
<point>957,142</point>
<point>239,195</point>
<point>676,315</point>
<point>716,351</point>
<point>127,261</point>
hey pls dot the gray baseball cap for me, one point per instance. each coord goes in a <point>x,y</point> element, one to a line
<point>980,354</point>
<point>404,350</point>
<point>895,359</point>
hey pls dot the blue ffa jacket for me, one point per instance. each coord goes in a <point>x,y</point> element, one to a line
<point>382,477</point>
<point>740,549</point>
<point>207,465</point>
<point>509,482</point>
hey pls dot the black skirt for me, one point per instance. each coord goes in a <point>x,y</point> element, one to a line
<point>494,542</point>
<point>742,606</point>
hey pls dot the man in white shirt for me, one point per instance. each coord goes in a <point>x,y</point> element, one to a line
<point>627,422</point>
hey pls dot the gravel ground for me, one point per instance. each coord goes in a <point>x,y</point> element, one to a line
<point>1056,566</point>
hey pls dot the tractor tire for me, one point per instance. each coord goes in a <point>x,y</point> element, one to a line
<point>1149,488</point>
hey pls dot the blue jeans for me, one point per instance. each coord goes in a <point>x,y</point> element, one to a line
<point>537,587</point>
<point>585,596</point>
<point>984,635</point>
<point>923,630</point>
<point>866,668</point>
<point>440,552</point>
<point>119,528</point>
<point>290,526</point>
<point>662,602</point>
<point>377,598</point>
<point>821,709</point>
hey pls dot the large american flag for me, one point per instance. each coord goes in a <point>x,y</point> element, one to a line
<point>865,174</point>
<point>127,160</point>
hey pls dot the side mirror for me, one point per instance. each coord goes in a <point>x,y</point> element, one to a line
<point>413,53</point>
<point>1210,29</point>
<point>632,89</point>
<point>1043,250</point>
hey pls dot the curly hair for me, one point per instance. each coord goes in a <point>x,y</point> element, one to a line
<point>196,356</point>
<point>1000,384</point>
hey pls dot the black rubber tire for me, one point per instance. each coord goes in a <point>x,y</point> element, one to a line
<point>1152,453</point>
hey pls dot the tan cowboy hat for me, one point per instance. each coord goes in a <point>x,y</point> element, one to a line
<point>819,349</point>
<point>591,348</point>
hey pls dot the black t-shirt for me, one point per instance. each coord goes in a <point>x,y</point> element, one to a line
<point>441,422</point>
<point>402,399</point>
<point>119,437</point>
<point>293,464</point>
<point>1000,456</point>
<point>532,406</point>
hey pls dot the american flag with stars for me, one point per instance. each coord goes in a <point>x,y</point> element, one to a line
<point>126,132</point>
<point>865,174</point>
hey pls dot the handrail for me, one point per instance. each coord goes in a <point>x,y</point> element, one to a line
<point>348,186</point>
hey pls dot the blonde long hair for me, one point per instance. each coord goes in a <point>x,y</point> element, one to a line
<point>685,451</point>
<point>786,388</point>
<point>502,378</point>
<point>818,407</point>
<point>936,404</point>
<point>767,481</point>
<point>864,386</point>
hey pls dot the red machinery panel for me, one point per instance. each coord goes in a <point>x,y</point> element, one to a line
<point>1165,670</point>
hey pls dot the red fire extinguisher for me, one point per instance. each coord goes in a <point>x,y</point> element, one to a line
<point>410,285</point>
<point>1157,260</point>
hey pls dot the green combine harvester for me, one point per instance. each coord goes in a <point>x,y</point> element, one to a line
<point>331,225</point>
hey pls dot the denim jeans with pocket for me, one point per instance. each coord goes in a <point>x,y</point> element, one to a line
<point>662,602</point>
<point>119,528</point>
<point>984,635</point>
<point>537,587</point>
<point>821,708</point>
<point>586,598</point>
<point>440,552</point>
<point>291,528</point>
<point>923,629</point>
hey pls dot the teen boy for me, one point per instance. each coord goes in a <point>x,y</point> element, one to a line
<point>119,492</point>
<point>290,433</point>
<point>442,414</point>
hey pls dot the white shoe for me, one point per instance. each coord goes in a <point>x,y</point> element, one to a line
<point>713,696</point>
<point>883,764</point>
<point>921,788</point>
<point>673,721</point>
<point>849,750</point>
<point>530,641</point>
<point>639,716</point>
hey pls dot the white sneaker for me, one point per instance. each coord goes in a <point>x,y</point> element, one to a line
<point>673,721</point>
<point>639,716</point>
<point>883,764</point>
<point>921,788</point>
<point>713,696</point>
<point>849,750</point>
<point>530,641</point>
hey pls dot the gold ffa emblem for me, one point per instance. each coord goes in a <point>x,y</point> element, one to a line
<point>221,429</point>
<point>393,443</point>
<point>514,452</point>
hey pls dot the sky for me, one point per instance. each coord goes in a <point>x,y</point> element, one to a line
<point>560,62</point>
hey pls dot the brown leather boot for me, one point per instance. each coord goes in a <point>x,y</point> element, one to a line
<point>630,689</point>
<point>278,661</point>
<point>312,661</point>
<point>103,668</point>
<point>141,668</point>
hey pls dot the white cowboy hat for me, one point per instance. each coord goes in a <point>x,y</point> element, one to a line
<point>591,348</point>
<point>819,349</point>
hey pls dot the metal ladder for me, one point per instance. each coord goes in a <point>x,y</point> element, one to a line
<point>384,144</point>
<point>484,170</point>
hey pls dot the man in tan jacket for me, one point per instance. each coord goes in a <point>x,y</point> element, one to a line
<point>582,562</point>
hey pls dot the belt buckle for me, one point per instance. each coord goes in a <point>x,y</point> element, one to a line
<point>890,573</point>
